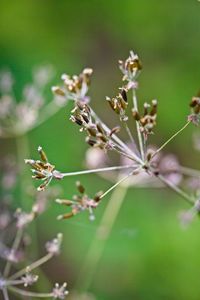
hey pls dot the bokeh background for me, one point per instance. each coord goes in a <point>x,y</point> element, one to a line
<point>148,255</point>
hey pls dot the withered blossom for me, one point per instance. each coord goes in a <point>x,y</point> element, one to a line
<point>43,170</point>
<point>148,120</point>
<point>119,103</point>
<point>75,87</point>
<point>131,68</point>
<point>97,136</point>
<point>80,203</point>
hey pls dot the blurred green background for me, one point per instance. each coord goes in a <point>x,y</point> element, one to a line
<point>148,256</point>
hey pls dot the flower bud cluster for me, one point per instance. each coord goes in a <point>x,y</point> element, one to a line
<point>131,67</point>
<point>43,170</point>
<point>148,120</point>
<point>80,203</point>
<point>96,135</point>
<point>76,86</point>
<point>119,104</point>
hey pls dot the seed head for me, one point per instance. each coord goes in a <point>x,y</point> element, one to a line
<point>43,170</point>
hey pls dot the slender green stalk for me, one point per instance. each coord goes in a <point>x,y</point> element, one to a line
<point>29,294</point>
<point>170,139</point>
<point>116,184</point>
<point>117,140</point>
<point>189,171</point>
<point>97,170</point>
<point>15,246</point>
<point>129,133</point>
<point>102,234</point>
<point>32,266</point>
<point>22,149</point>
<point>176,189</point>
<point>140,140</point>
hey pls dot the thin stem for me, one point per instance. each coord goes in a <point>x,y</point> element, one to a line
<point>30,294</point>
<point>171,138</point>
<point>176,189</point>
<point>116,184</point>
<point>22,150</point>
<point>102,234</point>
<point>129,133</point>
<point>97,170</point>
<point>118,140</point>
<point>124,154</point>
<point>15,246</point>
<point>135,106</point>
<point>5,293</point>
<point>189,171</point>
<point>33,266</point>
<point>13,282</point>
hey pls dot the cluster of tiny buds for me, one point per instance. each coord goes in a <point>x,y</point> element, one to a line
<point>195,106</point>
<point>148,120</point>
<point>59,291</point>
<point>80,203</point>
<point>131,68</point>
<point>75,87</point>
<point>53,247</point>
<point>29,279</point>
<point>96,135</point>
<point>43,170</point>
<point>119,103</point>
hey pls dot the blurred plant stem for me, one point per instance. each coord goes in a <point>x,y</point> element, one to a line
<point>22,150</point>
<point>26,201</point>
<point>102,234</point>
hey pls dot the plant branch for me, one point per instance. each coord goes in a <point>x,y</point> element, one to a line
<point>170,139</point>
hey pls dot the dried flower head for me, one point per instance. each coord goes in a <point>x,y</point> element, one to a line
<point>119,103</point>
<point>97,136</point>
<point>80,203</point>
<point>75,87</point>
<point>131,67</point>
<point>148,120</point>
<point>43,170</point>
